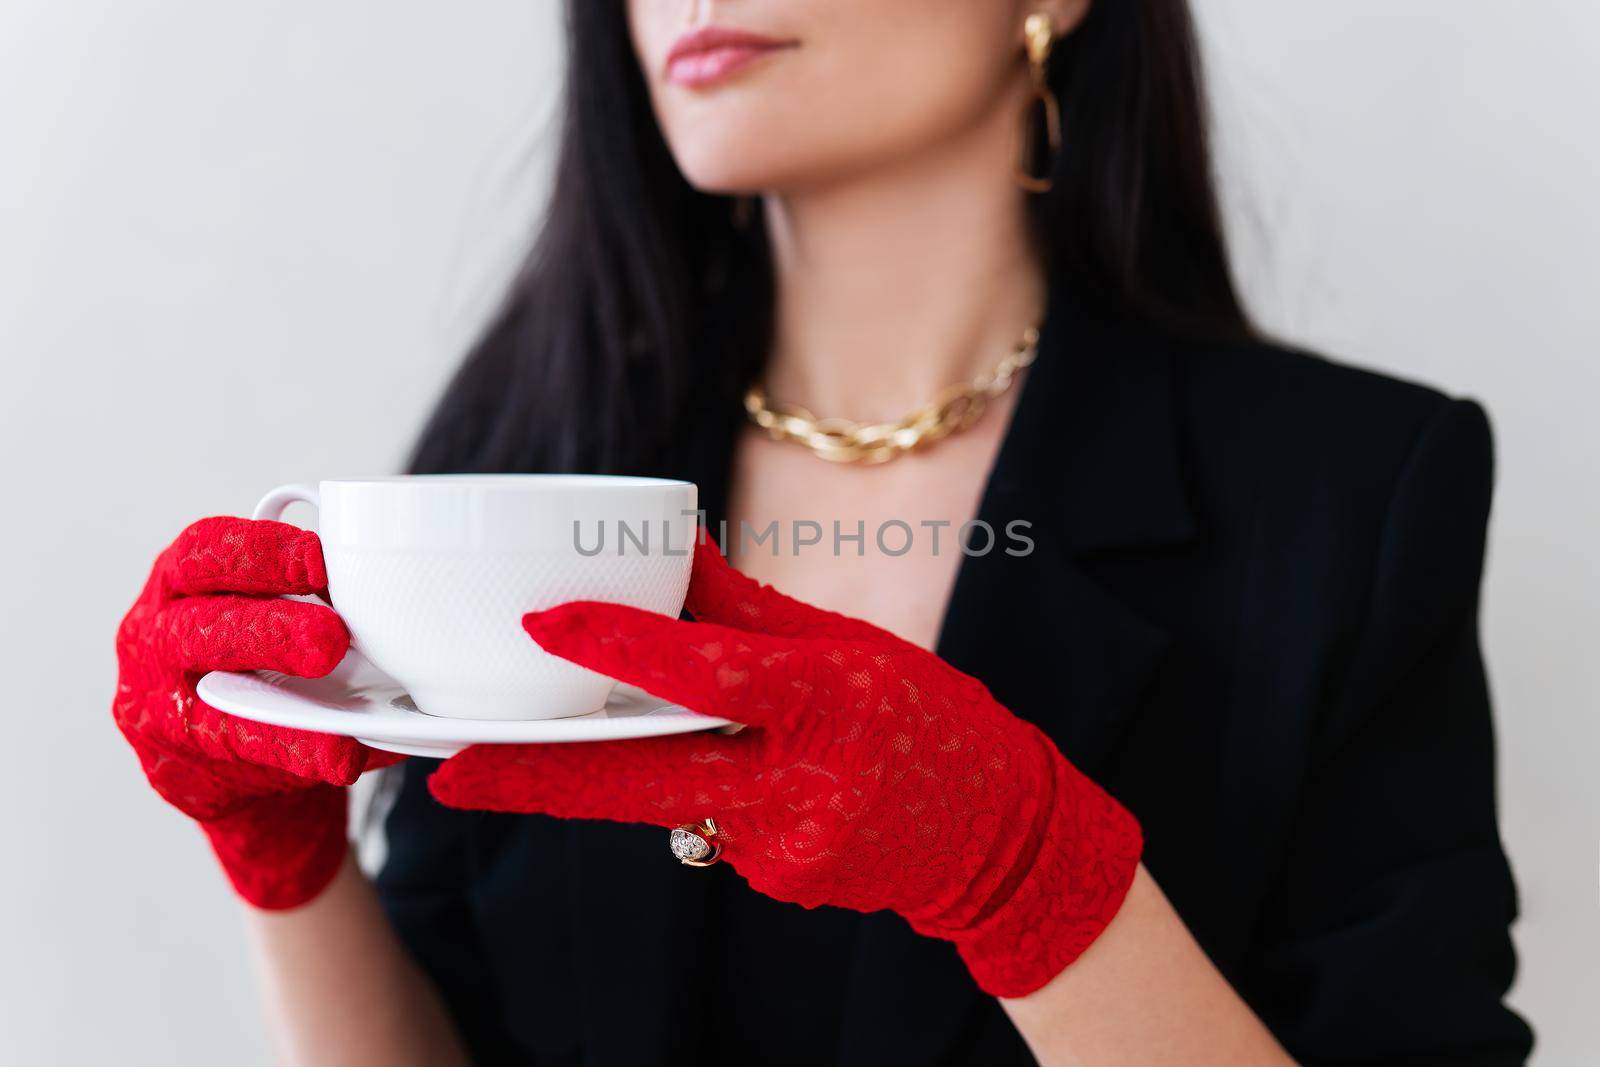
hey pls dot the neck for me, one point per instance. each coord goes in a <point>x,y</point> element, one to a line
<point>894,284</point>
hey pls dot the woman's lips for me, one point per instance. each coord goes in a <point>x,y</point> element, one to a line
<point>713,54</point>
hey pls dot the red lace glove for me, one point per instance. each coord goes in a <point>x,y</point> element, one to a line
<point>270,799</point>
<point>873,775</point>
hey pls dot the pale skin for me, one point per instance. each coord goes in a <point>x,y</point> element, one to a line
<point>877,310</point>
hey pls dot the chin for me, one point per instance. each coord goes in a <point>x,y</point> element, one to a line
<point>730,167</point>
<point>733,150</point>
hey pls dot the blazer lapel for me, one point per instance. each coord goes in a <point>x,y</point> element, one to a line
<point>1091,463</point>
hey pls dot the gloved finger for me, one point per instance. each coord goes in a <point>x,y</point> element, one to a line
<point>753,678</point>
<point>186,737</point>
<point>718,593</point>
<point>231,555</point>
<point>328,758</point>
<point>236,633</point>
<point>664,780</point>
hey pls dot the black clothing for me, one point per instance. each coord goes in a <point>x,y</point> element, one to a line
<point>1251,615</point>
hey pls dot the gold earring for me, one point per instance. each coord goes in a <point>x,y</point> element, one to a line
<point>1040,33</point>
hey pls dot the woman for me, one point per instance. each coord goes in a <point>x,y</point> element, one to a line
<point>1224,793</point>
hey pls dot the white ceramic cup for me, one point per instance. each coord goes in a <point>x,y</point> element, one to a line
<point>433,573</point>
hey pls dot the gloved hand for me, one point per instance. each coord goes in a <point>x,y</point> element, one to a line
<point>271,800</point>
<point>873,775</point>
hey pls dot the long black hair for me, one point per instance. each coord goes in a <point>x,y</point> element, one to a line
<point>645,303</point>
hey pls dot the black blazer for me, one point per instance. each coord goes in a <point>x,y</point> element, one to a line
<point>1251,615</point>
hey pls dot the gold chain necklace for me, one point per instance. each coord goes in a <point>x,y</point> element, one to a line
<point>843,441</point>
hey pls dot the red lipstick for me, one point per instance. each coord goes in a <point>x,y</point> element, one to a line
<point>713,54</point>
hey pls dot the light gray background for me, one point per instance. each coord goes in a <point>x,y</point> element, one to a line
<point>242,244</point>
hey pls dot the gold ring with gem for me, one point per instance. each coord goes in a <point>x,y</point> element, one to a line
<point>695,843</point>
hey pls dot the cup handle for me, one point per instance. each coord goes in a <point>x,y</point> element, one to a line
<point>272,506</point>
<point>275,503</point>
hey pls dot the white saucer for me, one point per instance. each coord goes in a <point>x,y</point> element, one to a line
<point>358,700</point>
